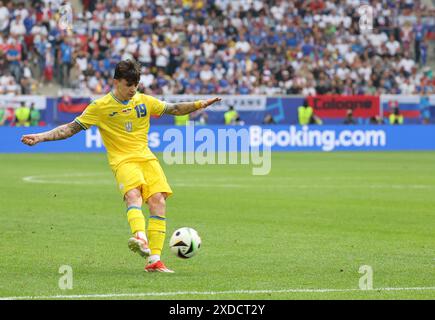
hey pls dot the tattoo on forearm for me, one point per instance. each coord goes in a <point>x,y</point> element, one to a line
<point>181,108</point>
<point>62,132</point>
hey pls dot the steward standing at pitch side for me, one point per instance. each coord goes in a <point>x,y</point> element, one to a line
<point>123,119</point>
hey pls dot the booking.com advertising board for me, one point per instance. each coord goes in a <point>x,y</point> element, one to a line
<point>243,138</point>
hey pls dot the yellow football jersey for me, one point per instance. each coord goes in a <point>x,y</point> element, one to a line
<point>123,126</point>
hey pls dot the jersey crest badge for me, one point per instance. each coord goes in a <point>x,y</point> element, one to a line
<point>129,126</point>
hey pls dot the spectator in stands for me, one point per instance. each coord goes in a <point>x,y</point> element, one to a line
<point>10,117</point>
<point>239,121</point>
<point>423,52</point>
<point>17,27</point>
<point>424,106</point>
<point>22,115</point>
<point>11,87</point>
<point>316,120</point>
<point>27,78</point>
<point>35,115</point>
<point>268,119</point>
<point>273,47</point>
<point>419,31</point>
<point>393,46</point>
<point>48,63</point>
<point>200,117</point>
<point>2,116</point>
<point>66,58</point>
<point>349,117</point>
<point>13,56</point>
<point>4,17</point>
<point>375,120</point>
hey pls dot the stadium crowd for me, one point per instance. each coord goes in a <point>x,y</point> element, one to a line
<point>219,46</point>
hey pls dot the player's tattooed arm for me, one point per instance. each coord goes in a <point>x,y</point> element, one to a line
<point>182,108</point>
<point>62,132</point>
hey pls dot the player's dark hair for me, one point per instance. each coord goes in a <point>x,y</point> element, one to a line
<point>129,71</point>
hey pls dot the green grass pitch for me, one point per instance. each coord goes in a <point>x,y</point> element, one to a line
<point>310,224</point>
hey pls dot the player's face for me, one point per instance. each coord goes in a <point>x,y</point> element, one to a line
<point>125,90</point>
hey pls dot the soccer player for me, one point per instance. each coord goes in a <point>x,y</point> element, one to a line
<point>123,119</point>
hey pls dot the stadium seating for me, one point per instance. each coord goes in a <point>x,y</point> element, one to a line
<point>221,46</point>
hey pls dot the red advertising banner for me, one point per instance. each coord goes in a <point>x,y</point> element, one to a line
<point>336,106</point>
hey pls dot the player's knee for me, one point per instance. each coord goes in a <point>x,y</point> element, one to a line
<point>133,197</point>
<point>157,203</point>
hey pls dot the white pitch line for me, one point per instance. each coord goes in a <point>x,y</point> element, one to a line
<point>45,179</point>
<point>211,293</point>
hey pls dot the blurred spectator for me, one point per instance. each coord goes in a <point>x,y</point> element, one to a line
<point>49,61</point>
<point>396,117</point>
<point>8,85</point>
<point>10,117</point>
<point>268,119</point>
<point>35,115</point>
<point>419,31</point>
<point>231,116</point>
<point>200,117</point>
<point>66,52</point>
<point>393,46</point>
<point>14,56</point>
<point>238,121</point>
<point>22,115</point>
<point>4,17</point>
<point>27,80</point>
<point>2,116</point>
<point>349,117</point>
<point>17,27</point>
<point>316,120</point>
<point>374,120</point>
<point>424,109</point>
<point>423,52</point>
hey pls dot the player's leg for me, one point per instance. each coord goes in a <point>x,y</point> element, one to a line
<point>139,242</point>
<point>130,181</point>
<point>156,232</point>
<point>155,193</point>
<point>156,225</point>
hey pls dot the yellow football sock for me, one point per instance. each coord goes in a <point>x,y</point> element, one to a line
<point>136,219</point>
<point>156,234</point>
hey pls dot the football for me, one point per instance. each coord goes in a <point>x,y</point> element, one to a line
<point>185,242</point>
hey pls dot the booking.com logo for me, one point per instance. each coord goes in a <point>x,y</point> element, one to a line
<point>327,140</point>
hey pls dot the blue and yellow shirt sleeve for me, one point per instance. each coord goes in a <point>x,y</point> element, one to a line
<point>89,117</point>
